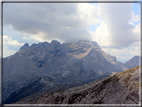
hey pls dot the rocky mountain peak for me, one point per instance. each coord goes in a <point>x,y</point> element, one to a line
<point>55,42</point>
<point>24,46</point>
<point>133,62</point>
<point>96,44</point>
<point>84,41</point>
<point>136,57</point>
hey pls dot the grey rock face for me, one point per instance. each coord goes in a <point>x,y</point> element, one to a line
<point>135,61</point>
<point>68,64</point>
<point>121,88</point>
<point>25,46</point>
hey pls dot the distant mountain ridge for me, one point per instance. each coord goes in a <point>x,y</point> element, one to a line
<point>121,88</point>
<point>133,62</point>
<point>54,67</point>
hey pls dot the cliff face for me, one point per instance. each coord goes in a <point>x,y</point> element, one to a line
<point>120,88</point>
<point>53,67</point>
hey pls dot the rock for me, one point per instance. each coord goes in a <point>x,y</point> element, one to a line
<point>24,46</point>
<point>133,62</point>
<point>69,65</point>
<point>121,88</point>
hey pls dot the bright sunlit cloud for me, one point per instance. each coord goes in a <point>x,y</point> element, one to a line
<point>7,40</point>
<point>115,29</point>
<point>10,45</point>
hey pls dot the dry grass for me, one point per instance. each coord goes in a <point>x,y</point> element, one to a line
<point>130,70</point>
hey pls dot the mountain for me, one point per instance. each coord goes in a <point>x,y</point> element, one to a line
<point>120,88</point>
<point>132,62</point>
<point>0,82</point>
<point>53,67</point>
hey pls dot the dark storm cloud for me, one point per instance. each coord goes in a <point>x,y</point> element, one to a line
<point>55,21</point>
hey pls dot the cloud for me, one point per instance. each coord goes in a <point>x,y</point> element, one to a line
<point>124,54</point>
<point>116,29</point>
<point>10,46</point>
<point>116,33</point>
<point>7,52</point>
<point>134,18</point>
<point>7,40</point>
<point>66,22</point>
<point>69,22</point>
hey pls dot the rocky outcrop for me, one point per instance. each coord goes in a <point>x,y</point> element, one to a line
<point>24,46</point>
<point>121,88</point>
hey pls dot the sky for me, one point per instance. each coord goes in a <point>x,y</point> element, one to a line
<point>114,26</point>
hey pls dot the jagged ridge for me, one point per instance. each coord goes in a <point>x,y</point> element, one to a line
<point>65,63</point>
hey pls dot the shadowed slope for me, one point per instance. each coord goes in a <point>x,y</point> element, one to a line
<point>121,88</point>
